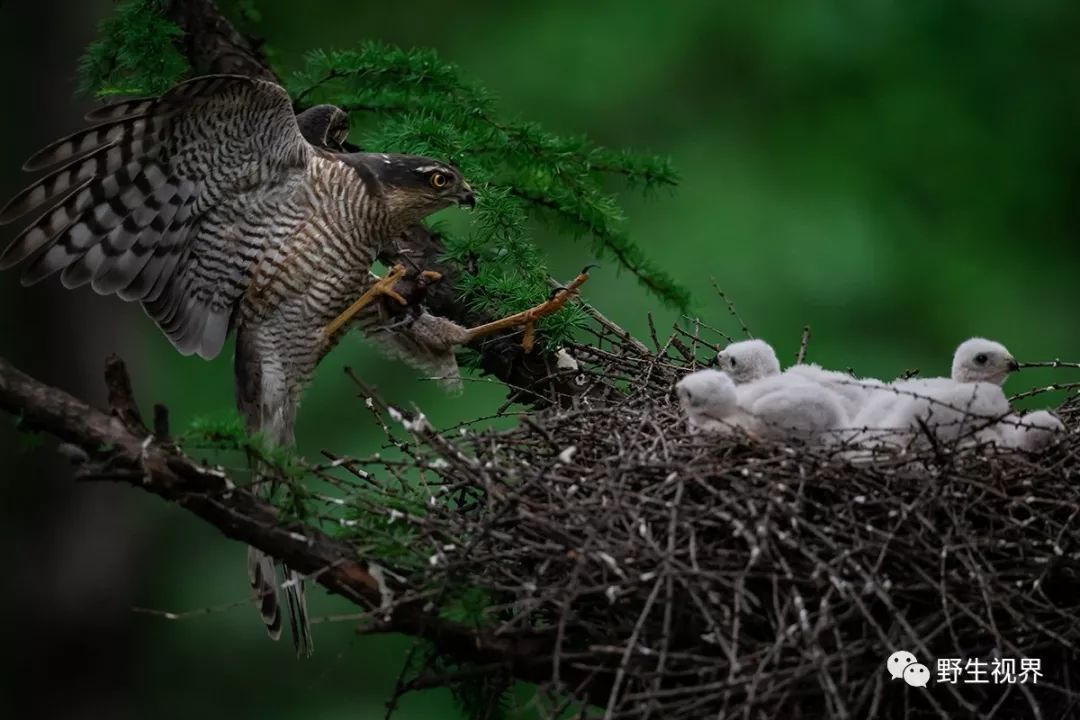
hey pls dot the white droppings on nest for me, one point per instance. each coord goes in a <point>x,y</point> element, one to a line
<point>564,360</point>
<point>394,515</point>
<point>395,414</point>
<point>299,537</point>
<point>418,424</point>
<point>859,499</point>
<point>572,489</point>
<point>712,638</point>
<point>449,547</point>
<point>432,501</point>
<point>438,464</point>
<point>612,594</point>
<point>611,563</point>
<point>370,403</point>
<point>566,455</point>
<point>435,559</point>
<point>345,522</point>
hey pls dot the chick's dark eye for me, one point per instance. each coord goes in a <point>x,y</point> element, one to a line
<point>981,358</point>
<point>439,180</point>
<point>733,363</point>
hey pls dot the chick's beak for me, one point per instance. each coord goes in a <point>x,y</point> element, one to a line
<point>1013,365</point>
<point>466,198</point>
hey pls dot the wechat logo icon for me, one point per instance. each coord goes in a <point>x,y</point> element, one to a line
<point>903,665</point>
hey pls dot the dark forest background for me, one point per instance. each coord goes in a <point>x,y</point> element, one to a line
<point>898,175</point>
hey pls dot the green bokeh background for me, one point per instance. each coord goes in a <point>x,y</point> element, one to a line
<point>898,175</point>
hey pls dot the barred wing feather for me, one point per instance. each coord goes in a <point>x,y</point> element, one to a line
<point>160,200</point>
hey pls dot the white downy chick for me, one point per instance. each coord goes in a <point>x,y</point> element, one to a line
<point>707,398</point>
<point>793,408</point>
<point>775,407</point>
<point>948,409</point>
<point>787,406</point>
<point>854,392</point>
<point>893,412</point>
<point>748,360</point>
<point>753,360</point>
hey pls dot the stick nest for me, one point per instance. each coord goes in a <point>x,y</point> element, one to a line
<point>664,576</point>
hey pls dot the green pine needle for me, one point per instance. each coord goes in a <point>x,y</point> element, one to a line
<point>134,54</point>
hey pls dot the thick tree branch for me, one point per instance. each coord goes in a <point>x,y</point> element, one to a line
<point>118,446</point>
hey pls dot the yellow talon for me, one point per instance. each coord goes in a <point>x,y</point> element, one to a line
<point>529,317</point>
<point>382,286</point>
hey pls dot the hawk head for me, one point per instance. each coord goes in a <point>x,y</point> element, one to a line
<point>412,187</point>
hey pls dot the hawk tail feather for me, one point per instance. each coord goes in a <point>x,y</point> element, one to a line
<point>299,621</point>
<point>263,579</point>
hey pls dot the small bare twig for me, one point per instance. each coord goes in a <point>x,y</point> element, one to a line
<point>800,357</point>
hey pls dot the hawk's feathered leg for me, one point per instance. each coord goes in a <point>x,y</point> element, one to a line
<point>268,404</point>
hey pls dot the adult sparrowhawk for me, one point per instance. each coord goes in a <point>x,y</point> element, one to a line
<point>209,207</point>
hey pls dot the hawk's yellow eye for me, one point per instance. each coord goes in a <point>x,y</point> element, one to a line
<point>438,180</point>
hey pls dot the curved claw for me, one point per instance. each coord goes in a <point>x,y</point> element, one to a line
<point>382,286</point>
<point>555,302</point>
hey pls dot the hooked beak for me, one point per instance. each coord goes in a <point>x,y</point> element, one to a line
<point>1013,365</point>
<point>467,198</point>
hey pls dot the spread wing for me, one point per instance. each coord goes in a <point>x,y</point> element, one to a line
<point>153,201</point>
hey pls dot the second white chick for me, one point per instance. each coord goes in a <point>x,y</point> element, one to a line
<point>753,360</point>
<point>748,360</point>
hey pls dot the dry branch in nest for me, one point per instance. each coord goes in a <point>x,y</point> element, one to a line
<point>675,577</point>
